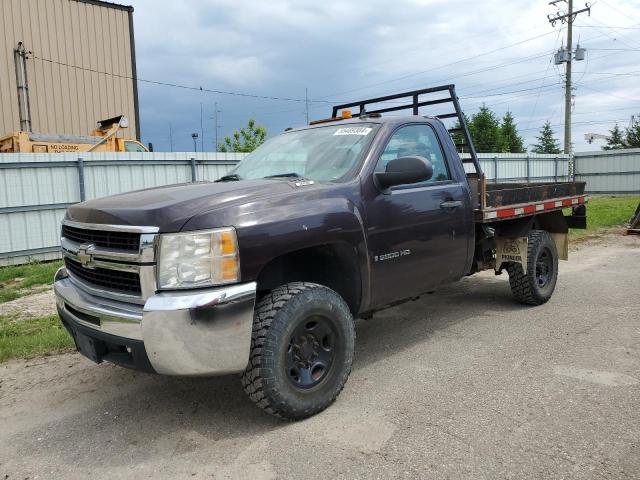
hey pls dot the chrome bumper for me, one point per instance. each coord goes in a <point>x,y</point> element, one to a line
<point>202,332</point>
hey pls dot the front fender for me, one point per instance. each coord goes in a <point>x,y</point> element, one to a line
<point>267,230</point>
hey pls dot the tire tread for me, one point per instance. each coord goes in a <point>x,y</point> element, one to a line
<point>257,379</point>
<point>523,283</point>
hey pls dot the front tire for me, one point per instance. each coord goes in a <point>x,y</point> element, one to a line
<point>301,350</point>
<point>536,285</point>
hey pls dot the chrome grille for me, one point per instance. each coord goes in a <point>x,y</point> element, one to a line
<point>129,241</point>
<point>119,281</point>
<point>113,261</point>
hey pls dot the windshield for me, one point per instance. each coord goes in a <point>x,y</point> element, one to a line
<point>323,154</point>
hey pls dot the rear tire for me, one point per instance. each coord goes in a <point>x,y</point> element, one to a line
<point>536,285</point>
<point>301,350</point>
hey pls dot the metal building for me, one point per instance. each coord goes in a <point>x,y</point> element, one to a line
<point>64,64</point>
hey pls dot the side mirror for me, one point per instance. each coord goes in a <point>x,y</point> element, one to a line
<point>404,170</point>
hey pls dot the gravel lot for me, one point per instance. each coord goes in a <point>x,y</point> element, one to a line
<point>34,305</point>
<point>461,384</point>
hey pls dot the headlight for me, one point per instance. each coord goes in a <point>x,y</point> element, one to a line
<point>198,259</point>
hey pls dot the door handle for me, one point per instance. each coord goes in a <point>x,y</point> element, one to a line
<point>451,204</point>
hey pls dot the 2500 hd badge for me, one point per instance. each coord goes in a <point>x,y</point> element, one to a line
<point>389,256</point>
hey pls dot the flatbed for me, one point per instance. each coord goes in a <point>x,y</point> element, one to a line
<point>504,201</point>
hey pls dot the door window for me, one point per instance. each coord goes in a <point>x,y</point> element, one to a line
<point>130,146</point>
<point>416,140</point>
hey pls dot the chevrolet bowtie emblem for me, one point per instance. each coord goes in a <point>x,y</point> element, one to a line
<point>85,258</point>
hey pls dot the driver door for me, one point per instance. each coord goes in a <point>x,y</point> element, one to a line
<point>417,232</point>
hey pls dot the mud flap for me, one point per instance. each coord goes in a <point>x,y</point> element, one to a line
<point>511,250</point>
<point>562,245</point>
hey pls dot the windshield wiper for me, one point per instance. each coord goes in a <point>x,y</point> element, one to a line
<point>285,175</point>
<point>232,177</point>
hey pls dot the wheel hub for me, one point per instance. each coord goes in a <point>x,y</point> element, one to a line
<point>544,268</point>
<point>311,352</point>
<point>305,350</point>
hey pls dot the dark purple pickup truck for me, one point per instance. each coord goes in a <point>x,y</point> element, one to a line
<point>263,272</point>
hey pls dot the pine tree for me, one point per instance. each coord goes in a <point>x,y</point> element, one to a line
<point>485,131</point>
<point>616,139</point>
<point>632,137</point>
<point>458,137</point>
<point>547,143</point>
<point>512,142</point>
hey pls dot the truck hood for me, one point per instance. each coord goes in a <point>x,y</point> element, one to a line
<point>170,207</point>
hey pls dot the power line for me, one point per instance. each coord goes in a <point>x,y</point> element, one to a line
<point>615,49</point>
<point>626,15</point>
<point>469,73</point>
<point>473,57</point>
<point>594,122</point>
<point>535,105</point>
<point>320,102</point>
<point>177,85</point>
<point>442,80</point>
<point>509,85</point>
<point>607,26</point>
<point>615,74</point>
<point>622,37</point>
<point>609,93</point>
<point>504,93</point>
<point>429,70</point>
<point>532,57</point>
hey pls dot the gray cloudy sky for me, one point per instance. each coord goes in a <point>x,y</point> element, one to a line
<point>497,52</point>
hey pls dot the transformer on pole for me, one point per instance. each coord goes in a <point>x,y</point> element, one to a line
<point>565,55</point>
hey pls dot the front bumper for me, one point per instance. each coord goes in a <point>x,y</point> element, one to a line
<point>201,332</point>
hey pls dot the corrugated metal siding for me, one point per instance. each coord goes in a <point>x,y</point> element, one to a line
<point>65,99</point>
<point>34,196</point>
<point>522,167</point>
<point>611,171</point>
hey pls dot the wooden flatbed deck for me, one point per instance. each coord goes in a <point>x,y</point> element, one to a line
<point>503,201</point>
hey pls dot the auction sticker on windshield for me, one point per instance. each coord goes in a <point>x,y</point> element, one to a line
<point>353,131</point>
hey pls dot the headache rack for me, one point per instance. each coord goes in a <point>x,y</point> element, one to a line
<point>414,102</point>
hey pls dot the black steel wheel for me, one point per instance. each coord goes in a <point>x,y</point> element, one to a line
<point>301,350</point>
<point>544,267</point>
<point>311,351</point>
<point>536,285</point>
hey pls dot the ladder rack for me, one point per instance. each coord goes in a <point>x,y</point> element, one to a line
<point>414,103</point>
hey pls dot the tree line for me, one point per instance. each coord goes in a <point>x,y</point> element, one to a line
<point>491,134</point>
<point>627,138</point>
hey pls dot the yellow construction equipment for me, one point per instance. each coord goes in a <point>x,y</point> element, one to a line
<point>633,228</point>
<point>102,139</point>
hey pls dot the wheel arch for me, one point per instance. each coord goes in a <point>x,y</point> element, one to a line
<point>334,265</point>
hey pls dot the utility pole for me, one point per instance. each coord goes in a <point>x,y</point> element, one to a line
<point>20,56</point>
<point>306,103</point>
<point>567,83</point>
<point>201,128</point>
<point>567,58</point>
<point>194,135</point>
<point>170,137</point>
<point>216,127</point>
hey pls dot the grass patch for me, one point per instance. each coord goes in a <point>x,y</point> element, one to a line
<point>15,279</point>
<point>32,337</point>
<point>605,212</point>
